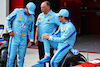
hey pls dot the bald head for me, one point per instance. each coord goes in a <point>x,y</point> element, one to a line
<point>45,6</point>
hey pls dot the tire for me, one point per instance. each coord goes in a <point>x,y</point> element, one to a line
<point>3,57</point>
<point>72,60</point>
<point>4,53</point>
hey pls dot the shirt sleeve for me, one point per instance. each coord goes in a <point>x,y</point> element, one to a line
<point>31,31</point>
<point>9,18</point>
<point>37,22</point>
<point>68,32</point>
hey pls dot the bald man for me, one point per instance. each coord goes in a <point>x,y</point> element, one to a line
<point>47,22</point>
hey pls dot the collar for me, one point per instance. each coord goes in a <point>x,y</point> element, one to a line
<point>25,12</point>
<point>66,22</point>
<point>49,13</point>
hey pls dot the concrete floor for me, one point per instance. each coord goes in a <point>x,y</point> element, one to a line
<point>85,44</point>
<point>31,57</point>
<point>89,43</point>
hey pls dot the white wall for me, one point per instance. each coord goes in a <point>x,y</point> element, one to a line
<point>4,11</point>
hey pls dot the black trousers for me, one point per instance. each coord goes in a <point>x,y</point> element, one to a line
<point>42,53</point>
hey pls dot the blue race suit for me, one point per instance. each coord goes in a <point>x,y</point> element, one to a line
<point>22,24</point>
<point>63,40</point>
<point>47,24</point>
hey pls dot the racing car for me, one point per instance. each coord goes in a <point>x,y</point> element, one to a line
<point>4,39</point>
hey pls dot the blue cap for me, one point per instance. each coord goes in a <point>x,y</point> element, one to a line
<point>63,12</point>
<point>31,7</point>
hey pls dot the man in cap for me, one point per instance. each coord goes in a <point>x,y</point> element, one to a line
<point>63,40</point>
<point>23,22</point>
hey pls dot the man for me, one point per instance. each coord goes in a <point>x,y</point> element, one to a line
<point>65,37</point>
<point>47,22</point>
<point>23,22</point>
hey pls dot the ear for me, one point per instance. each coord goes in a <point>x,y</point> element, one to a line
<point>48,7</point>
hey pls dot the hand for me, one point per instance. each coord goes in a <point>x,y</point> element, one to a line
<point>11,33</point>
<point>29,44</point>
<point>45,36</point>
<point>36,42</point>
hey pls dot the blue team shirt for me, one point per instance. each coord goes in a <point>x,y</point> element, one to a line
<point>65,34</point>
<point>47,24</point>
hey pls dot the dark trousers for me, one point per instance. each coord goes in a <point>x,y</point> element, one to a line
<point>41,51</point>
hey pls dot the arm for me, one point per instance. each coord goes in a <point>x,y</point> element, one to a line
<point>36,36</point>
<point>31,33</point>
<point>8,20</point>
<point>63,37</point>
<point>68,32</point>
<point>36,32</point>
<point>56,34</point>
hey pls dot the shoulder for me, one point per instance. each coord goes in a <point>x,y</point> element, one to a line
<point>18,10</point>
<point>52,13</point>
<point>70,25</point>
<point>41,14</point>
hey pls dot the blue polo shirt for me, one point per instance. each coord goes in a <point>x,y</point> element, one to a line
<point>47,24</point>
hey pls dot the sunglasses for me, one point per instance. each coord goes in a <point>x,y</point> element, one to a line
<point>60,16</point>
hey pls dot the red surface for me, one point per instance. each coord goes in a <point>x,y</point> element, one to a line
<point>77,9</point>
<point>95,62</point>
<point>16,4</point>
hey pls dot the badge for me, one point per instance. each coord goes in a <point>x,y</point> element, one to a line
<point>75,51</point>
<point>20,18</point>
<point>65,26</point>
<point>40,19</point>
<point>49,17</point>
<point>29,17</point>
<point>23,26</point>
<point>33,8</point>
<point>21,14</point>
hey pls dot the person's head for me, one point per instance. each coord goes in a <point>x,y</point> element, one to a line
<point>30,8</point>
<point>63,15</point>
<point>45,7</point>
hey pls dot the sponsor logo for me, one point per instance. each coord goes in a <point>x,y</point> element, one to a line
<point>40,19</point>
<point>20,18</point>
<point>49,16</point>
<point>33,8</point>
<point>29,17</point>
<point>23,26</point>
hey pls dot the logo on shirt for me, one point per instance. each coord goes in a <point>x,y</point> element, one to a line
<point>23,26</point>
<point>40,19</point>
<point>21,14</point>
<point>20,18</point>
<point>65,26</point>
<point>33,8</point>
<point>49,17</point>
<point>29,17</point>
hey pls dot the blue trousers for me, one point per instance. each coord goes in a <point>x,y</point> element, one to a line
<point>19,43</point>
<point>62,50</point>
